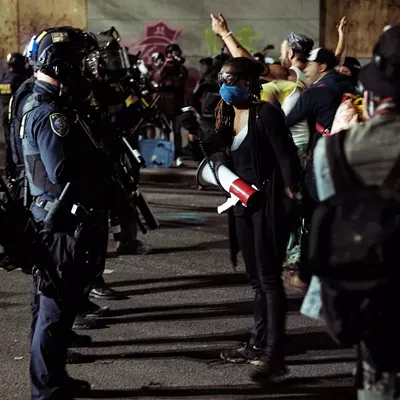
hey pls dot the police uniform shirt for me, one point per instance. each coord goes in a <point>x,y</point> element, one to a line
<point>47,140</point>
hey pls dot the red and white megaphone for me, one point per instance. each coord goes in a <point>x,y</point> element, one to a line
<point>237,188</point>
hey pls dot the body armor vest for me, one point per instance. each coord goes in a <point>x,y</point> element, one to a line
<point>39,182</point>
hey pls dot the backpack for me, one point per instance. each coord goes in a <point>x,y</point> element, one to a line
<point>25,90</point>
<point>354,239</point>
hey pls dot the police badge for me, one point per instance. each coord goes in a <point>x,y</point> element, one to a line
<point>59,124</point>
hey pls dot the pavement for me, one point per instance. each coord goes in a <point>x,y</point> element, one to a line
<point>175,175</point>
<point>185,304</point>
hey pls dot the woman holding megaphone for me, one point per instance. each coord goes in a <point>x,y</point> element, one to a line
<point>262,154</point>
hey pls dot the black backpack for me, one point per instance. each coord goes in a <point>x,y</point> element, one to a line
<point>15,118</point>
<point>354,242</point>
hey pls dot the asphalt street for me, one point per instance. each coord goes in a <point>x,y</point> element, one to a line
<point>185,304</point>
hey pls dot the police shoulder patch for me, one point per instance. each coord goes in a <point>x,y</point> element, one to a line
<point>59,124</point>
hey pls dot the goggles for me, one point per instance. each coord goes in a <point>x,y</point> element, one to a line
<point>229,78</point>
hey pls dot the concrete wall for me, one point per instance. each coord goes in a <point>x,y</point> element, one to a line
<point>187,22</point>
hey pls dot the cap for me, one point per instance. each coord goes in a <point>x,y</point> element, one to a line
<point>382,75</point>
<point>352,63</point>
<point>323,56</point>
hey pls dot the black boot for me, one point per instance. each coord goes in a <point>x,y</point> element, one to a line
<point>79,340</point>
<point>93,310</point>
<point>82,323</point>
<point>101,291</point>
<point>74,387</point>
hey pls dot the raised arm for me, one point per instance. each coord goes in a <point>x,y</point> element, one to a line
<point>341,47</point>
<point>220,27</point>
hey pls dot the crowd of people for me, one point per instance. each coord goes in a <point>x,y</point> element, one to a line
<point>306,132</point>
<point>326,168</point>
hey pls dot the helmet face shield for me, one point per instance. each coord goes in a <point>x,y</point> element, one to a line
<point>111,64</point>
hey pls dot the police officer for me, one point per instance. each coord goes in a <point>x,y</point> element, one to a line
<point>55,154</point>
<point>9,83</point>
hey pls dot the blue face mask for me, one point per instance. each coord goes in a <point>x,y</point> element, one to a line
<point>234,94</point>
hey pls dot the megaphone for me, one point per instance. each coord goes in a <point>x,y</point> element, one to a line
<point>237,189</point>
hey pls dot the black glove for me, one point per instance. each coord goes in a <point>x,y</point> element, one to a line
<point>189,122</point>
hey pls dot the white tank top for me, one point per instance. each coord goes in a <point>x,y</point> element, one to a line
<point>238,139</point>
<point>301,78</point>
<point>300,131</point>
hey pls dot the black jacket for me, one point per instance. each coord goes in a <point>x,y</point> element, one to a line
<point>319,103</point>
<point>277,166</point>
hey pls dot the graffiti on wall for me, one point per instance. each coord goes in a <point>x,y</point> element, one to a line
<point>27,30</point>
<point>245,35</point>
<point>156,38</point>
<point>159,34</point>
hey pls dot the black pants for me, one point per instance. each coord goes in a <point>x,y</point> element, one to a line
<point>264,273</point>
<point>308,208</point>
<point>9,162</point>
<point>126,219</point>
<point>51,325</point>
<point>176,128</point>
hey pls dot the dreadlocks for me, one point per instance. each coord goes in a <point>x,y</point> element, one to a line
<point>225,115</point>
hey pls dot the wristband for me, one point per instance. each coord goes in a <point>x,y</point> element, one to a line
<point>228,34</point>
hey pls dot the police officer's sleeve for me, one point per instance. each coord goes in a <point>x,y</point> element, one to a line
<point>52,139</point>
<point>305,108</point>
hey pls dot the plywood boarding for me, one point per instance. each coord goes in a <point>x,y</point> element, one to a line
<point>37,15</point>
<point>366,20</point>
<point>8,27</point>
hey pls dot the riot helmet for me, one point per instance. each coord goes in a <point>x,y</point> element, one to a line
<point>174,51</point>
<point>109,61</point>
<point>59,52</point>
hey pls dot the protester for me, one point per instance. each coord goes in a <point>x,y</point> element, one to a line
<point>356,163</point>
<point>262,154</point>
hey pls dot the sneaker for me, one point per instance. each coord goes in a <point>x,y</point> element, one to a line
<point>103,292</point>
<point>179,163</point>
<point>268,369</point>
<point>244,354</point>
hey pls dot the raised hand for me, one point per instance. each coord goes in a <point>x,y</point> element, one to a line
<point>342,27</point>
<point>219,25</point>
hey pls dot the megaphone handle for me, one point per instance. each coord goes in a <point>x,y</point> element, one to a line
<point>232,201</point>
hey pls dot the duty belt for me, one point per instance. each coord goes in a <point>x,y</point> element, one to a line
<point>42,203</point>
